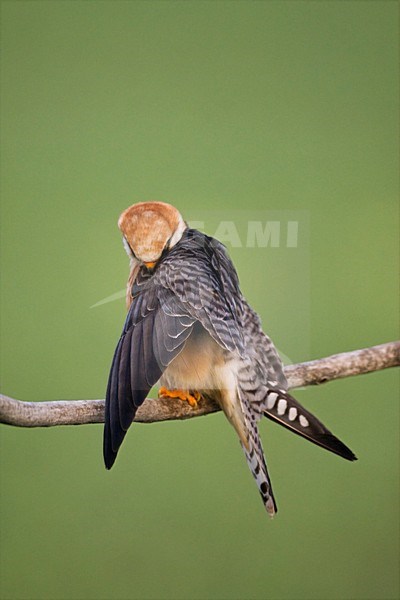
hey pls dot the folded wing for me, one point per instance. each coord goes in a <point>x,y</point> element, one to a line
<point>155,331</point>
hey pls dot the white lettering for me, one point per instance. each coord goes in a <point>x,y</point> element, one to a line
<point>259,237</point>
<point>227,232</point>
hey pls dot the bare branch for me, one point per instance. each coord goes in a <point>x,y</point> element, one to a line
<point>79,412</point>
<point>343,365</point>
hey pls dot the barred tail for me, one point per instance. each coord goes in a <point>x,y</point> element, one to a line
<point>255,460</point>
<point>254,453</point>
<point>282,408</point>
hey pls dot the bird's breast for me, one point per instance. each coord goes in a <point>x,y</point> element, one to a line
<point>199,364</point>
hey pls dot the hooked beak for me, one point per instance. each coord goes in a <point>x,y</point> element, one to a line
<point>150,265</point>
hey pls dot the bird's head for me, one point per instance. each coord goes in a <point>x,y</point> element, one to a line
<point>149,230</point>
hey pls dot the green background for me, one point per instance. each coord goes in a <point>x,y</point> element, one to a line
<point>232,111</point>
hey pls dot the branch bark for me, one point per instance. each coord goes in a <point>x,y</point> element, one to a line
<point>79,412</point>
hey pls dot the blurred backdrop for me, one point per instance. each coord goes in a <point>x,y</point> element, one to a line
<point>236,112</point>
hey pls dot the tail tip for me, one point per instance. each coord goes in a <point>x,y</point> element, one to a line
<point>109,459</point>
<point>271,507</point>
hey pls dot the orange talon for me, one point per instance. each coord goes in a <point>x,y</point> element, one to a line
<point>197,395</point>
<point>184,395</point>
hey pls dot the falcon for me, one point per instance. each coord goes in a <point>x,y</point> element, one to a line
<point>190,328</point>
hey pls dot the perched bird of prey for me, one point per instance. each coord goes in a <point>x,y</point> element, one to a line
<point>190,328</point>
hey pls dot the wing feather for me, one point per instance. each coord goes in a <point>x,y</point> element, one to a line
<point>202,277</point>
<point>124,383</point>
